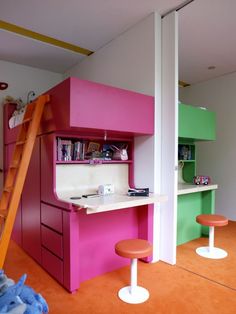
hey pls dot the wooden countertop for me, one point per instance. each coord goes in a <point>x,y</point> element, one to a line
<point>111,202</point>
<point>187,188</point>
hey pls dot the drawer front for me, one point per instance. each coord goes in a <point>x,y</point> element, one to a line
<point>53,265</point>
<point>52,241</point>
<point>52,217</point>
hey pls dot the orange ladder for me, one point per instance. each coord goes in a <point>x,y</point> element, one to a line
<point>17,171</point>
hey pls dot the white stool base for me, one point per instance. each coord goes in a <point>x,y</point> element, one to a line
<point>214,252</point>
<point>139,295</point>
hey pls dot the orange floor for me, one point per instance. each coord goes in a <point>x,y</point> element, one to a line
<point>195,285</point>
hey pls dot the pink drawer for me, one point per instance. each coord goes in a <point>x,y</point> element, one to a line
<point>53,265</point>
<point>52,241</point>
<point>52,217</point>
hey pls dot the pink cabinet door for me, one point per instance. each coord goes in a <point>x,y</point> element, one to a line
<point>98,106</point>
<point>31,207</point>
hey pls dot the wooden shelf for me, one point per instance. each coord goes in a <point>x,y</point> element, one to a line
<point>94,162</point>
<point>187,160</point>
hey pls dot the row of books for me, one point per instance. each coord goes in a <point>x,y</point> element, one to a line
<point>73,149</point>
<point>68,150</point>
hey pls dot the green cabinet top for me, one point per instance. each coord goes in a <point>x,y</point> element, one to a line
<point>196,123</point>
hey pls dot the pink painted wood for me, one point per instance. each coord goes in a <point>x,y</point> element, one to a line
<point>31,239</point>
<point>52,241</point>
<point>51,217</point>
<point>79,104</point>
<point>80,107</point>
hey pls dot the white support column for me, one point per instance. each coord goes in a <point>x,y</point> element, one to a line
<point>169,133</point>
<point>211,238</point>
<point>133,275</point>
<point>157,137</point>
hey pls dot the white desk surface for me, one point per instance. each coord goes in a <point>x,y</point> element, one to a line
<point>110,202</point>
<point>186,188</point>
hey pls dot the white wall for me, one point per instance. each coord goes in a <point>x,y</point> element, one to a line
<point>128,62</point>
<point>133,61</point>
<point>21,80</point>
<point>218,158</point>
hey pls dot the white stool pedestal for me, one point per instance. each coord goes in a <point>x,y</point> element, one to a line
<point>211,251</point>
<point>133,294</point>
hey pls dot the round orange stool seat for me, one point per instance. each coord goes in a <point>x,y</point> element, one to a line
<point>133,248</point>
<point>212,220</point>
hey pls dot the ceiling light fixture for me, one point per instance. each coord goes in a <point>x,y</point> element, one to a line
<point>211,67</point>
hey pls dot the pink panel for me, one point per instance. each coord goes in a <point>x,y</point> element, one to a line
<point>52,241</point>
<point>56,113</point>
<point>89,241</point>
<point>97,237</point>
<point>16,232</point>
<point>48,160</point>
<point>53,265</point>
<point>31,207</point>
<point>72,256</point>
<point>10,135</point>
<point>52,217</point>
<point>98,106</point>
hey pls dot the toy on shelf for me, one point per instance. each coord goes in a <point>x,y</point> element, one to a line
<point>201,180</point>
<point>19,298</point>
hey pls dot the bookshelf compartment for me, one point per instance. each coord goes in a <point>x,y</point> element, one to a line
<point>92,151</point>
<point>186,152</point>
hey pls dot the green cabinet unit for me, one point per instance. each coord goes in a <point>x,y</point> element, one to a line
<point>196,123</point>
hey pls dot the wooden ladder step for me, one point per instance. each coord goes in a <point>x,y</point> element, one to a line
<point>27,120</point>
<point>8,189</point>
<point>3,213</point>
<point>14,165</point>
<point>20,143</point>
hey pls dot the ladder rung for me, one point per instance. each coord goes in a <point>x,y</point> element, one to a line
<point>3,213</point>
<point>27,120</point>
<point>7,189</point>
<point>20,143</point>
<point>14,165</point>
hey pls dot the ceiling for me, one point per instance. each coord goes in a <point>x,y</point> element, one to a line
<point>205,28</point>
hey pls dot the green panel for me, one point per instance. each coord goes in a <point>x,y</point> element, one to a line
<point>196,123</point>
<point>208,207</point>
<point>189,206</point>
<point>189,171</point>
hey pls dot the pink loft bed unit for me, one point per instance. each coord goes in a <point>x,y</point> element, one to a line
<point>73,240</point>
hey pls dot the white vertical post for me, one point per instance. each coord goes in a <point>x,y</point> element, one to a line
<point>133,275</point>
<point>157,137</point>
<point>211,238</point>
<point>169,159</point>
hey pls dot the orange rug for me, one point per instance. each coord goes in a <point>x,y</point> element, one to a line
<point>222,271</point>
<point>173,290</point>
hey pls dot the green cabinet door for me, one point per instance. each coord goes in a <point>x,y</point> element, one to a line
<point>196,123</point>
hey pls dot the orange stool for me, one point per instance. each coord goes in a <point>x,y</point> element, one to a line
<point>133,249</point>
<point>211,221</point>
